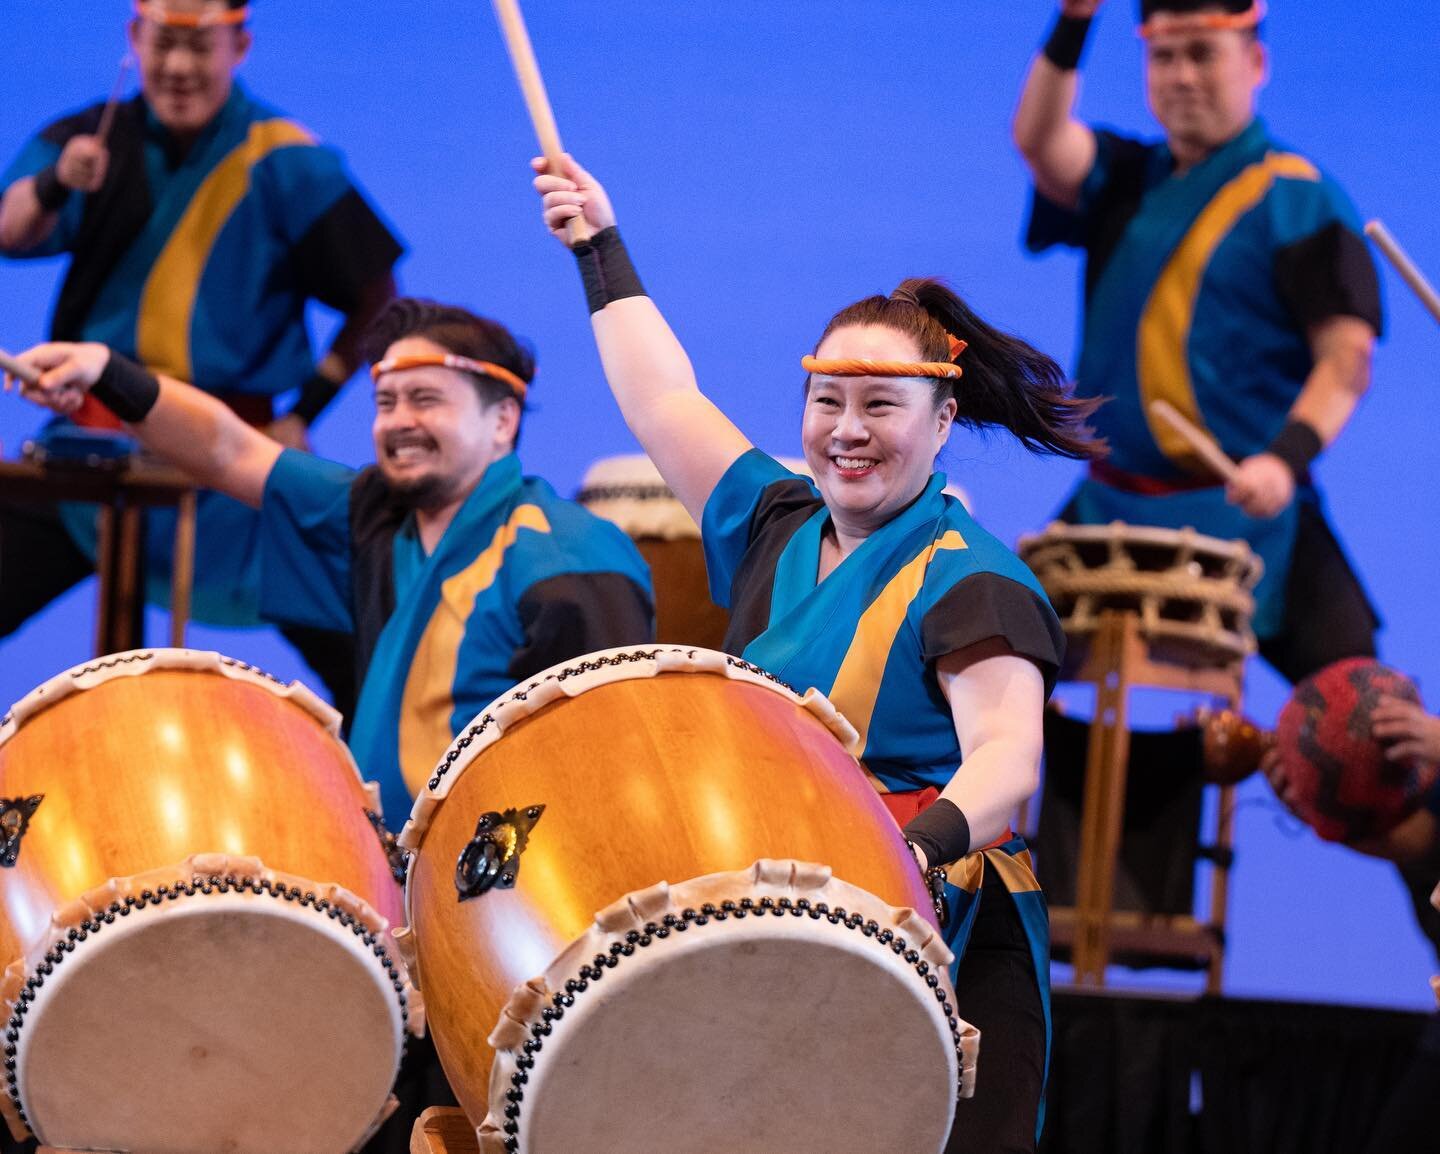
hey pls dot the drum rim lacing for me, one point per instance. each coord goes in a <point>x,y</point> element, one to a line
<point>197,884</point>
<point>628,657</point>
<point>652,932</point>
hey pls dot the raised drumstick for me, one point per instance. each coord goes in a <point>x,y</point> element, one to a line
<point>1405,267</point>
<point>532,86</point>
<point>20,372</point>
<point>1205,447</point>
<point>107,117</point>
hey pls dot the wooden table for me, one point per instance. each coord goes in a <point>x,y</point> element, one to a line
<point>122,495</point>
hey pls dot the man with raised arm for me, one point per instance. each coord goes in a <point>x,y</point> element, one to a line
<point>1227,275</point>
<point>458,575</point>
<point>198,222</point>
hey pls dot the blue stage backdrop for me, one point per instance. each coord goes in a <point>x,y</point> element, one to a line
<point>770,163</point>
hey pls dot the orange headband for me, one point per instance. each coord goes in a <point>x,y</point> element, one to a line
<point>156,13</point>
<point>864,368</point>
<point>451,361</point>
<point>1188,23</point>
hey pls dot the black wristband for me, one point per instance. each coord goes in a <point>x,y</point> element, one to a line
<point>606,270</point>
<point>126,389</point>
<point>51,194</point>
<point>315,394</point>
<point>1297,445</point>
<point>1067,42</point>
<point>942,832</point>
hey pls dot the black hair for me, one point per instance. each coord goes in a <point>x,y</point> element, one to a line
<point>1008,383</point>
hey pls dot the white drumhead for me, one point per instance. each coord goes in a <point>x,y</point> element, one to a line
<point>226,1022</point>
<point>769,1034</point>
<point>775,1009</point>
<point>630,492</point>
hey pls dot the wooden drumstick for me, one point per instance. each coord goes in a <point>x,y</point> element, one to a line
<point>107,117</point>
<point>532,86</point>
<point>20,372</point>
<point>1204,445</point>
<point>1407,269</point>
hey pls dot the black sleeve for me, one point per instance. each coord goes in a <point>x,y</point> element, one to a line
<point>344,252</point>
<point>986,606</point>
<point>1330,273</point>
<point>577,613</point>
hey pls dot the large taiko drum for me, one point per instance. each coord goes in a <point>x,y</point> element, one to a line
<point>195,912</point>
<point>617,891</point>
<point>1193,595</point>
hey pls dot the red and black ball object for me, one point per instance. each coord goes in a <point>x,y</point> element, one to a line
<point>1340,782</point>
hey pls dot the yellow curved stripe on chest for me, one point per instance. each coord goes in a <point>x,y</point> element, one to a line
<point>1163,338</point>
<point>857,685</point>
<point>428,700</point>
<point>167,302</point>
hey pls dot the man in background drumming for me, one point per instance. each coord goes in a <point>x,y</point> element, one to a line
<point>458,576</point>
<point>1228,276</point>
<point>199,222</point>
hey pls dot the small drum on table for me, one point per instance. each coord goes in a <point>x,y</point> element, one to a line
<point>1193,595</point>
<point>758,1001</point>
<point>195,904</point>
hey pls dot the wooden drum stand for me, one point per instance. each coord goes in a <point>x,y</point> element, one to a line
<point>1143,608</point>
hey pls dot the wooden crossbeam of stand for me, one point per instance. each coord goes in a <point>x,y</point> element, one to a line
<point>443,1130</point>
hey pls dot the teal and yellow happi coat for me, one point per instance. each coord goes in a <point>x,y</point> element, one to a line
<point>199,263</point>
<point>930,582</point>
<point>1200,290</point>
<point>520,580</point>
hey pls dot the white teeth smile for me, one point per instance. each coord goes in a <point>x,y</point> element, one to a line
<point>404,453</point>
<point>853,462</point>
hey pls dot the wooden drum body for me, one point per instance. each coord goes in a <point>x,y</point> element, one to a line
<point>630,492</point>
<point>755,1002</point>
<point>1193,594</point>
<point>194,913</point>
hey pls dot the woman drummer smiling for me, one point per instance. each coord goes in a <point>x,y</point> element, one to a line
<point>876,588</point>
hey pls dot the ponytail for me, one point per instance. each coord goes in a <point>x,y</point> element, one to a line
<point>1007,383</point>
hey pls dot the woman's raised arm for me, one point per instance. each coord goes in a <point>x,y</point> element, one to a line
<point>690,440</point>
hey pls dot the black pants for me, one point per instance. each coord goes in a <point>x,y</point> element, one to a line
<point>39,562</point>
<point>996,992</point>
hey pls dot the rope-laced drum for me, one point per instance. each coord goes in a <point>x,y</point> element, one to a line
<point>1193,594</point>
<point>758,1001</point>
<point>195,902</point>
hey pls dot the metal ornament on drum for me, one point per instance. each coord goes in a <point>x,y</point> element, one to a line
<point>195,906</point>
<point>1193,594</point>
<point>730,993</point>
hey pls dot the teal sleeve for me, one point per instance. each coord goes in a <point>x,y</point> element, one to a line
<point>305,543</point>
<point>1051,224</point>
<point>728,524</point>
